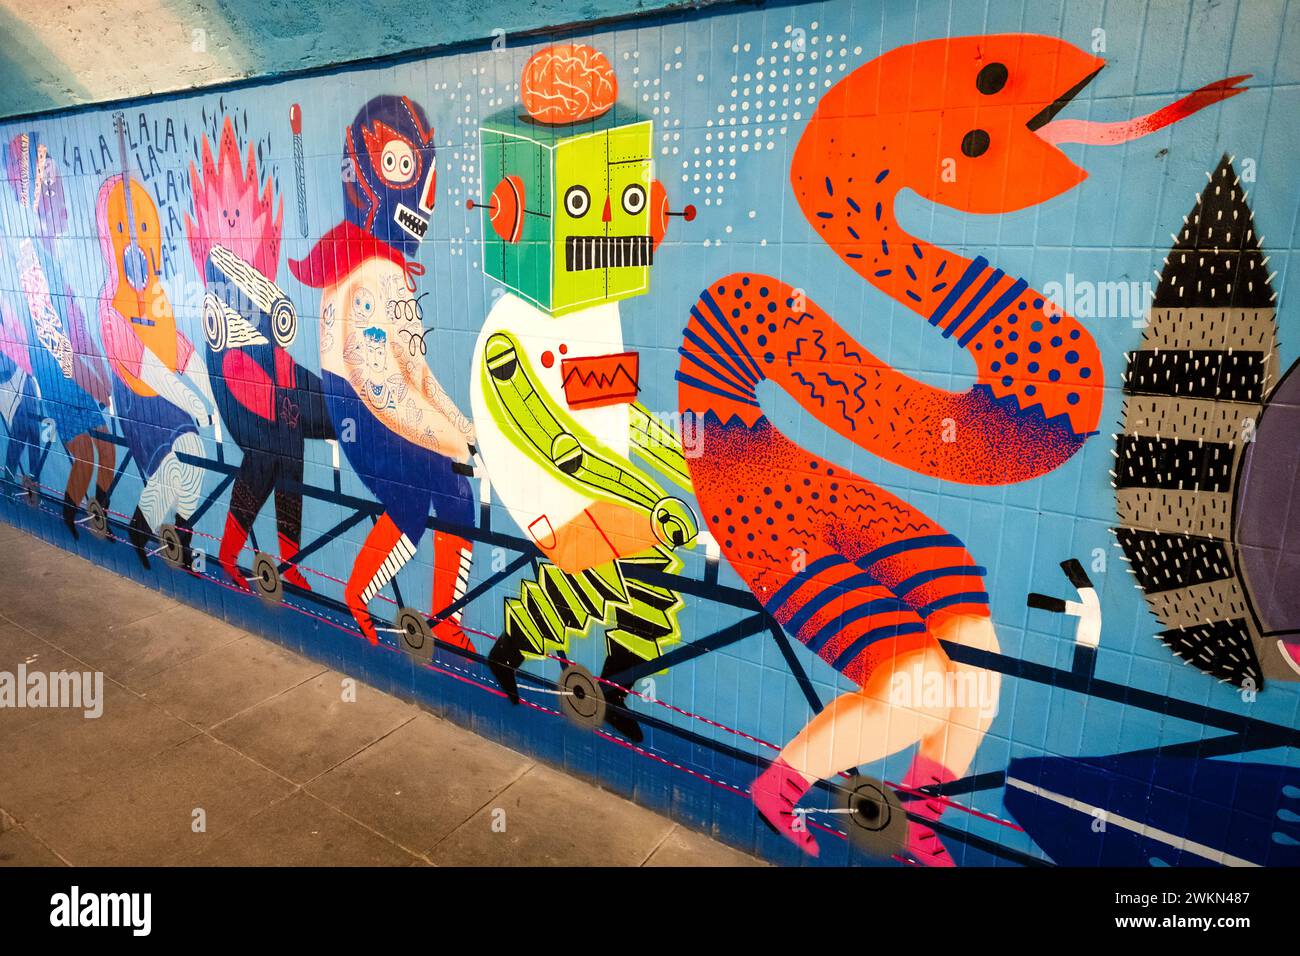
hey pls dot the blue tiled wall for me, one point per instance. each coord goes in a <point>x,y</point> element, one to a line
<point>1091,751</point>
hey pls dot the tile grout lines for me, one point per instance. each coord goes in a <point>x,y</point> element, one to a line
<point>496,796</point>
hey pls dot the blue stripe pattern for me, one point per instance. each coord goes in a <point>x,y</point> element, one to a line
<point>909,544</point>
<point>713,389</point>
<point>994,278</point>
<point>847,655</point>
<point>829,630</point>
<point>1003,302</point>
<point>742,353</point>
<point>828,594</point>
<point>973,270</point>
<point>966,597</point>
<point>925,577</point>
<point>730,376</point>
<point>724,345</point>
<point>787,590</point>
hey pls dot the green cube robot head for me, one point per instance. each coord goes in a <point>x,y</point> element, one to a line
<point>574,214</point>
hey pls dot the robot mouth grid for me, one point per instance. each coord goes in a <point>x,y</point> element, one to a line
<point>582,253</point>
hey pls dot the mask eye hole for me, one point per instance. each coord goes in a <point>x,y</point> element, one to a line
<point>577,201</point>
<point>975,143</point>
<point>397,164</point>
<point>991,78</point>
<point>634,199</point>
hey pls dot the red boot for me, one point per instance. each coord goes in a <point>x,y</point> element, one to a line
<point>451,560</point>
<point>382,556</point>
<point>288,551</point>
<point>232,543</point>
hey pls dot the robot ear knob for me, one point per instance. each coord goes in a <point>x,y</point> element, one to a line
<point>505,208</point>
<point>660,213</point>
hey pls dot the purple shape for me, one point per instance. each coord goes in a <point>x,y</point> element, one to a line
<point>1267,526</point>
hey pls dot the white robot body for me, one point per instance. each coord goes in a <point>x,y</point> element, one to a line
<point>536,498</point>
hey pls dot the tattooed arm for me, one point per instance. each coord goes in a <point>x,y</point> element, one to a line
<point>437,396</point>
<point>428,415</point>
<point>375,325</point>
<point>405,407</point>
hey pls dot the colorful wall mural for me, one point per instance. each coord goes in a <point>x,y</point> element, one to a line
<point>710,404</point>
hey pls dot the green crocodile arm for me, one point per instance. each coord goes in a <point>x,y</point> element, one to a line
<point>660,446</point>
<point>551,436</point>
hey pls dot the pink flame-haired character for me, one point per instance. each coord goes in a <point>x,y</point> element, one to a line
<point>269,403</point>
<point>228,210</point>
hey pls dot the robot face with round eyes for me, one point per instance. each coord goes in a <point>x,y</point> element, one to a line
<point>602,225</point>
<point>571,220</point>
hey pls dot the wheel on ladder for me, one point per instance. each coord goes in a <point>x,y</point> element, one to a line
<point>415,635</point>
<point>173,552</point>
<point>266,578</point>
<point>98,523</point>
<point>877,822</point>
<point>582,700</point>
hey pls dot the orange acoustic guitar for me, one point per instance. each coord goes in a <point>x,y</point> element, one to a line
<point>129,225</point>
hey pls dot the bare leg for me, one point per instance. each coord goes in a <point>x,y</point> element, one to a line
<point>974,697</point>
<point>83,463</point>
<point>921,698</point>
<point>943,756</point>
<point>82,453</point>
<point>887,715</point>
<point>107,453</point>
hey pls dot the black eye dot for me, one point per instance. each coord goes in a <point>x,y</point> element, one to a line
<point>975,143</point>
<point>991,79</point>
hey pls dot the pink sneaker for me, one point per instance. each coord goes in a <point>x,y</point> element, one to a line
<point>1292,652</point>
<point>776,793</point>
<point>923,844</point>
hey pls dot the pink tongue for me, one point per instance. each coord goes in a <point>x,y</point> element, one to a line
<point>1108,134</point>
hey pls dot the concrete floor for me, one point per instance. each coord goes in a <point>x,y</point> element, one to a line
<point>261,740</point>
